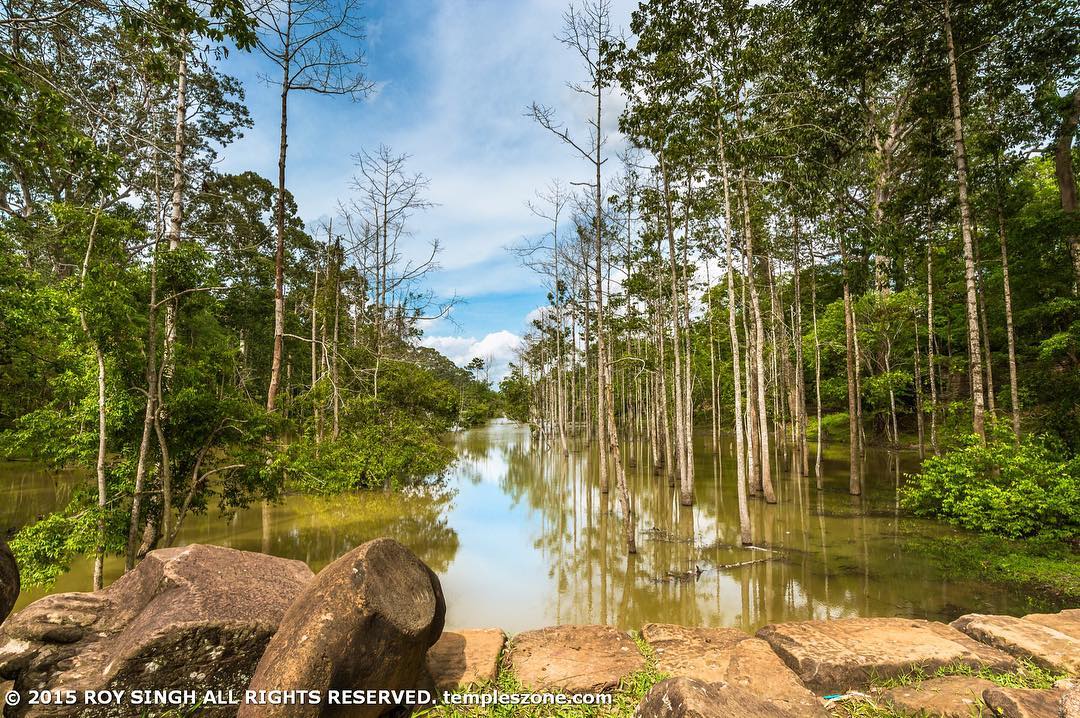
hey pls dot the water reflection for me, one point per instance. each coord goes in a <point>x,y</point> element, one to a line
<point>522,537</point>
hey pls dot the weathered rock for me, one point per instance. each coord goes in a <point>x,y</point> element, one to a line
<point>574,659</point>
<point>950,697</point>
<point>1067,621</point>
<point>366,622</point>
<point>185,618</point>
<point>836,656</point>
<point>9,581</point>
<point>464,658</point>
<point>1070,698</point>
<point>691,698</point>
<point>729,656</point>
<point>1023,702</point>
<point>1045,646</point>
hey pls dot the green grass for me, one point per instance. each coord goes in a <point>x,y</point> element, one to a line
<point>1047,572</point>
<point>625,699</point>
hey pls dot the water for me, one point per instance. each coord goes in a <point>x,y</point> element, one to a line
<point>521,537</point>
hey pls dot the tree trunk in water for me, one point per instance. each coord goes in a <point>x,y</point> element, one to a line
<point>745,533</point>
<point>759,350</point>
<point>817,363</point>
<point>686,496</point>
<point>800,377</point>
<point>978,419</point>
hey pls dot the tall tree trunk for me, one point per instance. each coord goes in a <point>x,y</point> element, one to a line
<point>1066,181</point>
<point>930,369</point>
<point>686,495</point>
<point>817,362</point>
<point>176,208</point>
<point>745,533</point>
<point>1014,391</point>
<point>99,466</point>
<point>800,375</point>
<point>279,228</point>
<point>759,349</point>
<point>854,482</point>
<point>978,419</point>
<point>148,419</point>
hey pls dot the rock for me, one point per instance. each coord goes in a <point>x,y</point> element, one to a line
<point>574,659</point>
<point>837,656</point>
<point>1070,698</point>
<point>1067,621</point>
<point>1023,702</point>
<point>464,658</point>
<point>729,656</point>
<point>365,622</point>
<point>9,581</point>
<point>185,618</point>
<point>1045,646</point>
<point>950,697</point>
<point>691,698</point>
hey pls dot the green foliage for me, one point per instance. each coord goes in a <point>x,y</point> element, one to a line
<point>1004,488</point>
<point>374,456</point>
<point>46,549</point>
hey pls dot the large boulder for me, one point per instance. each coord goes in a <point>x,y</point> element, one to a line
<point>194,618</point>
<point>691,698</point>
<point>837,656</point>
<point>574,659</point>
<point>1043,645</point>
<point>9,581</point>
<point>729,656</point>
<point>366,622</point>
<point>469,657</point>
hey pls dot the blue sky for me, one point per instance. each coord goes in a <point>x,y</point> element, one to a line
<point>453,79</point>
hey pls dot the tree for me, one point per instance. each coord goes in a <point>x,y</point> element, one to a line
<point>315,45</point>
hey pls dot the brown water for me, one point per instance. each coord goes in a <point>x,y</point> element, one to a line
<point>521,537</point>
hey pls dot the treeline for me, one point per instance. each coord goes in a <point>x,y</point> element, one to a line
<point>179,333</point>
<point>850,220</point>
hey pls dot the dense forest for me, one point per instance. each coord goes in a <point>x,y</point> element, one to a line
<point>180,334</point>
<point>830,222</point>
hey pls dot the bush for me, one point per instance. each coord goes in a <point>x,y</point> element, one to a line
<point>375,456</point>
<point>1003,488</point>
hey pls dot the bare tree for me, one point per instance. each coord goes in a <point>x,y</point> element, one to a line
<point>587,31</point>
<point>316,46</point>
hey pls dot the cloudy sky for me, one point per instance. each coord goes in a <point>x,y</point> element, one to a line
<point>453,79</point>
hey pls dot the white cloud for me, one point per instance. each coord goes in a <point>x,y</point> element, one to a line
<point>497,349</point>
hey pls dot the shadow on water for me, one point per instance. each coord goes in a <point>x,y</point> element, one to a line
<point>521,536</point>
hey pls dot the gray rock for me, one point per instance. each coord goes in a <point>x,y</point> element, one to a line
<point>366,622</point>
<point>186,618</point>
<point>9,581</point>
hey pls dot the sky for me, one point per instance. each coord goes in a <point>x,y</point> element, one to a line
<point>453,79</point>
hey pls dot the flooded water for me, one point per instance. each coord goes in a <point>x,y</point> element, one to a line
<point>521,537</point>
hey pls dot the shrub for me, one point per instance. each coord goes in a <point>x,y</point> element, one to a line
<point>1003,488</point>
